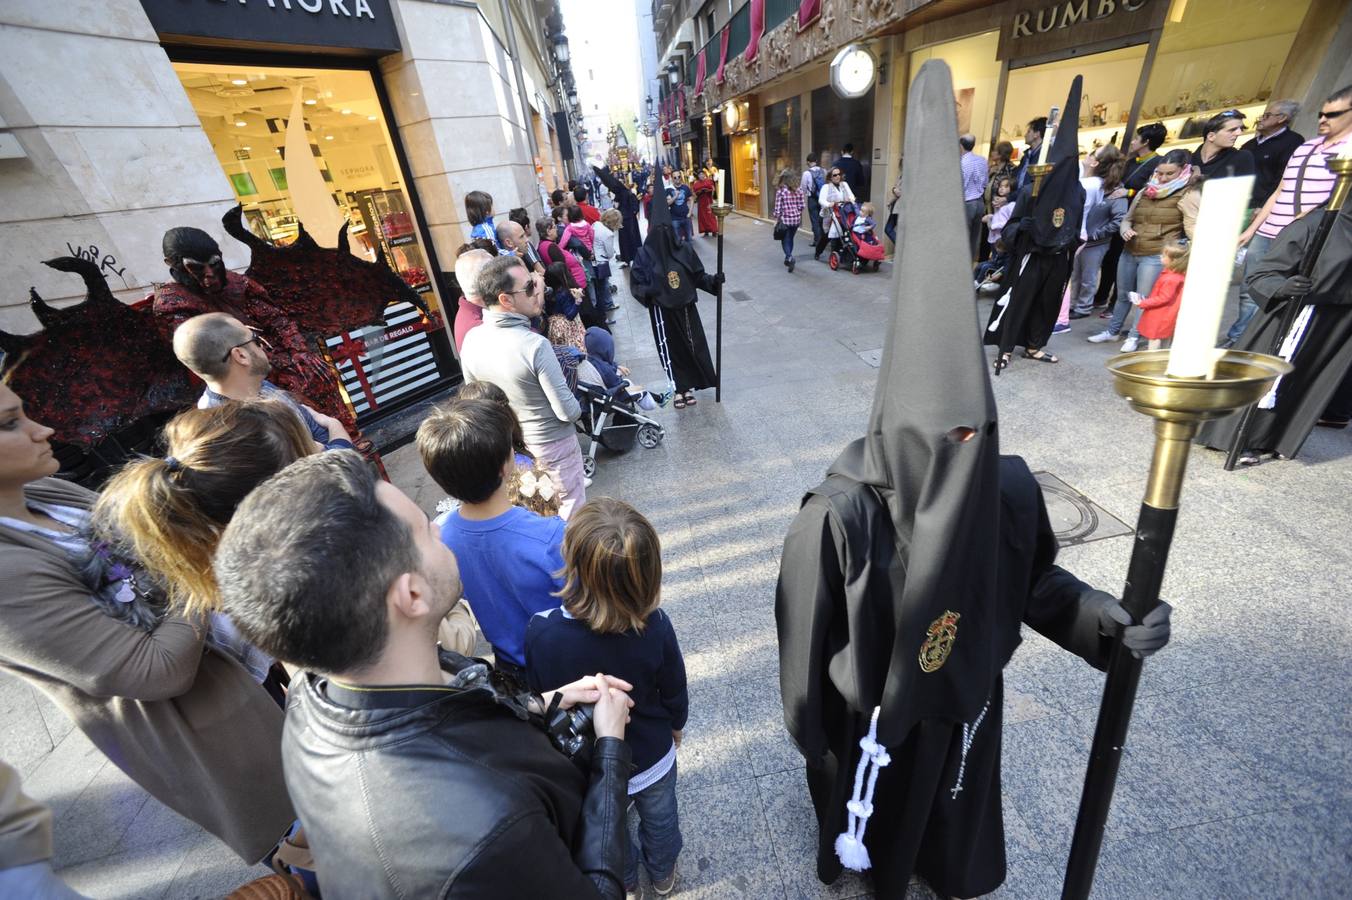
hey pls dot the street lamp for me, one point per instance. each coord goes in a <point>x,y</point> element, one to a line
<point>560,41</point>
<point>572,96</point>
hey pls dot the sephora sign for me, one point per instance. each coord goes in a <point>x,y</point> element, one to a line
<point>344,26</point>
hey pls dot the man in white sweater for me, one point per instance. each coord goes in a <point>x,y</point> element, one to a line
<point>505,351</point>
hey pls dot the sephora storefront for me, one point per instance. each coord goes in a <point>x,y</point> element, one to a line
<point>302,133</point>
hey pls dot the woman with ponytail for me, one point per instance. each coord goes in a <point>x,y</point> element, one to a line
<point>133,666</point>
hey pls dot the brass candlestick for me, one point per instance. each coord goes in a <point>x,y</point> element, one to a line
<point>1179,406</point>
<point>720,210</point>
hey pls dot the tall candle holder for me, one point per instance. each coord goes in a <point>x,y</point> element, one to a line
<point>1179,406</point>
<point>721,211</point>
<point>1039,171</point>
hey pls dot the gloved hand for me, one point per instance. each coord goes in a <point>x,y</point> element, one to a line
<point>1296,286</point>
<point>1142,640</point>
<point>719,278</point>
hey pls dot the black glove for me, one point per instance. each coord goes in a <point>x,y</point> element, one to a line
<point>1142,640</point>
<point>719,278</point>
<point>1296,286</point>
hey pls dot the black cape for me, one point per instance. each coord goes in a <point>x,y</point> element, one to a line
<point>678,331</point>
<point>629,238</point>
<point>834,609</point>
<point>1324,356</point>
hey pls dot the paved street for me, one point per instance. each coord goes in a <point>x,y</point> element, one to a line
<point>1237,781</point>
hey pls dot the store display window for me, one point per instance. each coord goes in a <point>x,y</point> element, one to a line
<point>1217,55</point>
<point>746,167</point>
<point>782,141</point>
<point>1110,81</point>
<point>343,169</point>
<point>976,81</point>
<point>837,122</point>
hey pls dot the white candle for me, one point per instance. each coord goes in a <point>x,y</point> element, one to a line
<point>1210,266</point>
<point>719,196</point>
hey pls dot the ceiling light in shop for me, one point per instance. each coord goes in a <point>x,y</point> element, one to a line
<point>371,118</point>
<point>246,149</point>
<point>346,112</point>
<point>311,102</point>
<point>239,81</point>
<point>328,137</point>
<point>240,123</point>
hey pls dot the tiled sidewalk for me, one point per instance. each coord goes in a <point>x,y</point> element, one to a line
<point>1237,781</point>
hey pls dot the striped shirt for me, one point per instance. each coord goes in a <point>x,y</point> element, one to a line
<point>974,171</point>
<point>1306,183</point>
<point>789,206</point>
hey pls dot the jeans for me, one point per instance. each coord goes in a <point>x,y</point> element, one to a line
<point>890,228</point>
<point>659,831</point>
<point>1134,273</point>
<point>1084,275</point>
<point>1258,248</point>
<point>563,459</point>
<point>993,263</point>
<point>814,214</point>
<point>787,241</point>
<point>682,228</point>
<point>974,210</point>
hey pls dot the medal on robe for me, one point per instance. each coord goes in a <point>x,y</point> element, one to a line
<point>1058,217</point>
<point>942,633</point>
<point>674,280</point>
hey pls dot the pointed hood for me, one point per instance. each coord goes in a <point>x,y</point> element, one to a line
<point>1057,210</point>
<point>676,265</point>
<point>932,448</point>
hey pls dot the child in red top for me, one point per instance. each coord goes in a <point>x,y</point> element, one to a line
<point>1159,311</point>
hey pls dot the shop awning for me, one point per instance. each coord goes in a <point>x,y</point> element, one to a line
<point>808,11</point>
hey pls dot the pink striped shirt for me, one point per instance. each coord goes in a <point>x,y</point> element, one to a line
<point>1306,183</point>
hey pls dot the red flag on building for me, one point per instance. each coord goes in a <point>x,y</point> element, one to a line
<point>808,11</point>
<point>722,55</point>
<point>757,29</point>
<point>699,74</point>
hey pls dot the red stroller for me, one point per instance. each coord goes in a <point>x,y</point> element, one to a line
<point>855,251</point>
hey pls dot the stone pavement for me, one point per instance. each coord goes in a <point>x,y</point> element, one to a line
<point>1237,778</point>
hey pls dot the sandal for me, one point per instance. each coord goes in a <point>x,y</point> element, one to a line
<point>1040,356</point>
<point>1250,458</point>
<point>1001,363</point>
<point>690,398</point>
<point>678,401</point>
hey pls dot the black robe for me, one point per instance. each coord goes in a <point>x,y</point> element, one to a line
<point>630,239</point>
<point>1324,357</point>
<point>834,609</point>
<point>677,329</point>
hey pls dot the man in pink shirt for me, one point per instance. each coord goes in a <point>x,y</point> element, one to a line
<point>1305,185</point>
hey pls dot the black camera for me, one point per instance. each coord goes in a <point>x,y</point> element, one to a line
<point>570,730</point>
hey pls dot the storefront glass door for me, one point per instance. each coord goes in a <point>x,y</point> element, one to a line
<point>746,174</point>
<point>837,122</point>
<point>782,142</point>
<point>345,171</point>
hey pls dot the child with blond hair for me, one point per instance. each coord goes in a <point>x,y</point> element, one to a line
<point>1159,311</point>
<point>611,620</point>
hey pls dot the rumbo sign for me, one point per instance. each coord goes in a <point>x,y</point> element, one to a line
<point>1072,23</point>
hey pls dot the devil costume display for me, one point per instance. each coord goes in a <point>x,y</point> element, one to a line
<point>1041,233</point>
<point>664,278</point>
<point>907,573</point>
<point>1318,344</point>
<point>202,284</point>
<point>627,203</point>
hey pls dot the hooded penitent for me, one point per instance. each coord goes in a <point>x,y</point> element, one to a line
<point>932,446</point>
<point>676,267</point>
<point>1053,222</point>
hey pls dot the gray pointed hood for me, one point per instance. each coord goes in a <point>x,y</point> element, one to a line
<point>932,448</point>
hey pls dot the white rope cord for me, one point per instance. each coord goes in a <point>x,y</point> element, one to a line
<point>662,353</point>
<point>850,843</point>
<point>1290,344</point>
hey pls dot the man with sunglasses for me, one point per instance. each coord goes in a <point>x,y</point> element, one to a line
<point>202,284</point>
<point>232,359</point>
<point>1306,184</point>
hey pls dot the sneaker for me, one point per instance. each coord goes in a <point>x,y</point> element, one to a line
<point>1076,314</point>
<point>1130,344</point>
<point>586,482</point>
<point>666,885</point>
<point>1102,337</point>
<point>1107,313</point>
<point>791,265</point>
<point>1225,344</point>
<point>1058,328</point>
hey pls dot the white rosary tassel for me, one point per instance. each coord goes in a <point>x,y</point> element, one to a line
<point>850,847</point>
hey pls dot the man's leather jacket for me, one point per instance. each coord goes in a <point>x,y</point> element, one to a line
<point>444,792</point>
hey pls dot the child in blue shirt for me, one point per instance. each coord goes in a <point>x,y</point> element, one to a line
<point>479,212</point>
<point>610,621</point>
<point>678,196</point>
<point>508,556</point>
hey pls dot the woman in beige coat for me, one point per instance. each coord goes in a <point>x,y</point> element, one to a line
<point>185,721</point>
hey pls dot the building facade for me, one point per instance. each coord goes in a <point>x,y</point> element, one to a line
<point>764,69</point>
<point>123,119</point>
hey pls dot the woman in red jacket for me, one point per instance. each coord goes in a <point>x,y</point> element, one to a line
<point>704,199</point>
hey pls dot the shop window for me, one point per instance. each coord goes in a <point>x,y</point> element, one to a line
<point>1216,55</point>
<point>837,122</point>
<point>976,80</point>
<point>246,113</point>
<point>782,142</point>
<point>1110,81</point>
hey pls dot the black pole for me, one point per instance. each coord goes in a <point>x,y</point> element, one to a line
<point>1293,308</point>
<point>718,320</point>
<point>1154,533</point>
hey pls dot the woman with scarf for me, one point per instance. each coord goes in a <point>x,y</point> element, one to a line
<point>664,278</point>
<point>1162,213</point>
<point>145,679</point>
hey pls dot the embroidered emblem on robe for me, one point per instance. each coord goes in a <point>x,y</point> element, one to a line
<point>1058,217</point>
<point>674,280</point>
<point>942,632</point>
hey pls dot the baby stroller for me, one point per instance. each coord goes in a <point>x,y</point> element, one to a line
<point>854,252</point>
<point>611,419</point>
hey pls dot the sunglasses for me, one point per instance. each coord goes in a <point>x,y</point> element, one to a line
<point>256,339</point>
<point>1334,113</point>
